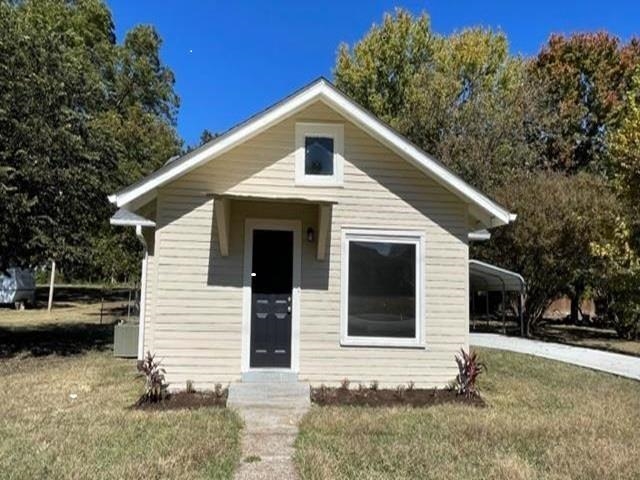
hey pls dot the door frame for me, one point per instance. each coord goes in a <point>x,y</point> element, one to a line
<point>294,226</point>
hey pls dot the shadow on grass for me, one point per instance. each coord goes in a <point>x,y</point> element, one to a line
<point>64,340</point>
<point>557,332</point>
<point>82,294</point>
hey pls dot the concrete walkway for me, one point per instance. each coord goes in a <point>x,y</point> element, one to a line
<point>271,405</point>
<point>616,363</point>
<point>267,443</point>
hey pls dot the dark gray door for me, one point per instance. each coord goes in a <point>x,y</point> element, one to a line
<point>271,291</point>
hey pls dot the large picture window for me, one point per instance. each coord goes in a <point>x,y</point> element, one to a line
<point>381,288</point>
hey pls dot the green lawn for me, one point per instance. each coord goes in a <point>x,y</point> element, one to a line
<point>44,433</point>
<point>545,420</point>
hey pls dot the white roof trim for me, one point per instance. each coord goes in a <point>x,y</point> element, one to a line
<point>479,236</point>
<point>319,90</point>
<point>125,218</point>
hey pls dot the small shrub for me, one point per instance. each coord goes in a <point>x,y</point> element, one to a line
<point>374,386</point>
<point>322,393</point>
<point>344,385</point>
<point>469,368</point>
<point>155,388</point>
<point>218,390</point>
<point>399,393</point>
<point>190,388</point>
<point>411,386</point>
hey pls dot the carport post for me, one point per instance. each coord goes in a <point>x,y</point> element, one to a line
<point>486,303</point>
<point>520,313</point>
<point>504,324</point>
<point>473,309</point>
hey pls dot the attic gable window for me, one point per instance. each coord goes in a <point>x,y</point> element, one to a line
<point>319,154</point>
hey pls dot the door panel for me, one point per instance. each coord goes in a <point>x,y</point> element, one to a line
<point>271,291</point>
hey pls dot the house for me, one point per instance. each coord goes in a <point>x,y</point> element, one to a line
<point>311,239</point>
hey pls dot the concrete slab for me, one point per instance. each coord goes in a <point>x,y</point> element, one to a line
<point>267,468</point>
<point>615,363</point>
<point>271,412</point>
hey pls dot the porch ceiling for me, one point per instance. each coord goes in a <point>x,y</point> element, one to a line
<point>222,211</point>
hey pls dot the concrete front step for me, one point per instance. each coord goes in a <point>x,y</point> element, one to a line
<point>271,395</point>
<point>270,376</point>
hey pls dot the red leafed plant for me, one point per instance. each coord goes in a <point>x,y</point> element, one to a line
<point>469,367</point>
<point>154,385</point>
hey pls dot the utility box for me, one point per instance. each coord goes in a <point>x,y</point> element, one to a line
<point>125,340</point>
<point>17,286</point>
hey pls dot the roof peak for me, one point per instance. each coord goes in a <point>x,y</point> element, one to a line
<point>481,207</point>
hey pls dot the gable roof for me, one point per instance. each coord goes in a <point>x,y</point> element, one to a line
<point>481,207</point>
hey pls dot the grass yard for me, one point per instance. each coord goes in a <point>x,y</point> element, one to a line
<point>45,433</point>
<point>546,420</point>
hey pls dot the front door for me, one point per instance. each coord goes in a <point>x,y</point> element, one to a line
<point>271,292</point>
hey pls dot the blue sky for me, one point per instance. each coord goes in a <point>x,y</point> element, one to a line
<point>234,58</point>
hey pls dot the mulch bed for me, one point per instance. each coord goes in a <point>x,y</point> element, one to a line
<point>185,400</point>
<point>417,397</point>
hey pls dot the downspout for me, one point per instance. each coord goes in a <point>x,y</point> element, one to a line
<point>143,293</point>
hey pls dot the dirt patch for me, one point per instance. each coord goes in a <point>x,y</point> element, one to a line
<point>417,397</point>
<point>186,401</point>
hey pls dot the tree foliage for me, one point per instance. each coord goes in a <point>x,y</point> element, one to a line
<point>619,280</point>
<point>624,148</point>
<point>461,98</point>
<point>80,116</point>
<point>583,79</point>
<point>561,217</point>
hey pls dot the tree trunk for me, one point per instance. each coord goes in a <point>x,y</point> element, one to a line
<point>575,304</point>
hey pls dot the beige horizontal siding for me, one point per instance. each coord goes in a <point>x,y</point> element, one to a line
<point>197,314</point>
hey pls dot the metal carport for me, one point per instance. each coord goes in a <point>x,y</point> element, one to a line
<point>490,278</point>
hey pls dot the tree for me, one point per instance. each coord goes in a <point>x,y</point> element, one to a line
<point>582,79</point>
<point>619,280</point>
<point>560,218</point>
<point>462,98</point>
<point>207,135</point>
<point>377,72</point>
<point>624,148</point>
<point>80,116</point>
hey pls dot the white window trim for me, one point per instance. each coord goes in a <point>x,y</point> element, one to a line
<point>330,130</point>
<point>416,238</point>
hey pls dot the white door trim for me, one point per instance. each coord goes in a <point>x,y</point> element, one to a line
<point>294,226</point>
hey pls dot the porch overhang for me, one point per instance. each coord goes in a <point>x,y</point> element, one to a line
<point>222,211</point>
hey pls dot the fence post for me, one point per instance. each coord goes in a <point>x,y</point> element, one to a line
<point>51,283</point>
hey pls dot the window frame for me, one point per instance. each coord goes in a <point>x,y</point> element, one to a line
<point>334,131</point>
<point>411,237</point>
